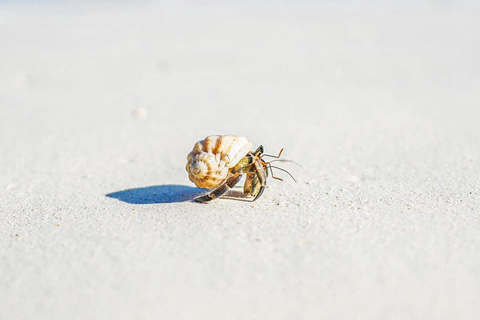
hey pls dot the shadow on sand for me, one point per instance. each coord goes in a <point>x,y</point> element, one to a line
<point>167,193</point>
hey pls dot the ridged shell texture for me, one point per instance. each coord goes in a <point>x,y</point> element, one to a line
<point>209,163</point>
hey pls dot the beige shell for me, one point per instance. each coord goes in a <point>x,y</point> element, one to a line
<point>210,161</point>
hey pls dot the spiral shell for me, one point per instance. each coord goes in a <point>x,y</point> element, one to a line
<point>211,159</point>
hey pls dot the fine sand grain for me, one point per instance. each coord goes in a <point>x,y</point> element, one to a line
<point>100,104</point>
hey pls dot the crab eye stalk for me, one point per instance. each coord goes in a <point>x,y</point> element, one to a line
<point>259,151</point>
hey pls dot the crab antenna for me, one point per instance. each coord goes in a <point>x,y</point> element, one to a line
<point>284,171</point>
<point>269,155</point>
<point>285,160</point>
<point>273,175</point>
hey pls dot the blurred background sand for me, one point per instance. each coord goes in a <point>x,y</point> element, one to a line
<point>100,104</point>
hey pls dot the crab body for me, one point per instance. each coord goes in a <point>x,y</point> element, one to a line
<point>218,163</point>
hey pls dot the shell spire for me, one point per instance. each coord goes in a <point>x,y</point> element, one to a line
<point>209,163</point>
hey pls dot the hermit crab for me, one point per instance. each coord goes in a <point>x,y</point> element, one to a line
<point>218,163</point>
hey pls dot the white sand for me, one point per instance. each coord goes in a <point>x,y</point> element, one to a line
<point>380,104</point>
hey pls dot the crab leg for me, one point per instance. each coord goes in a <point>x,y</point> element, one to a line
<point>215,193</point>
<point>260,179</point>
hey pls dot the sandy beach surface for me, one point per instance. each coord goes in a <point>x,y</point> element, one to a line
<point>379,103</point>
